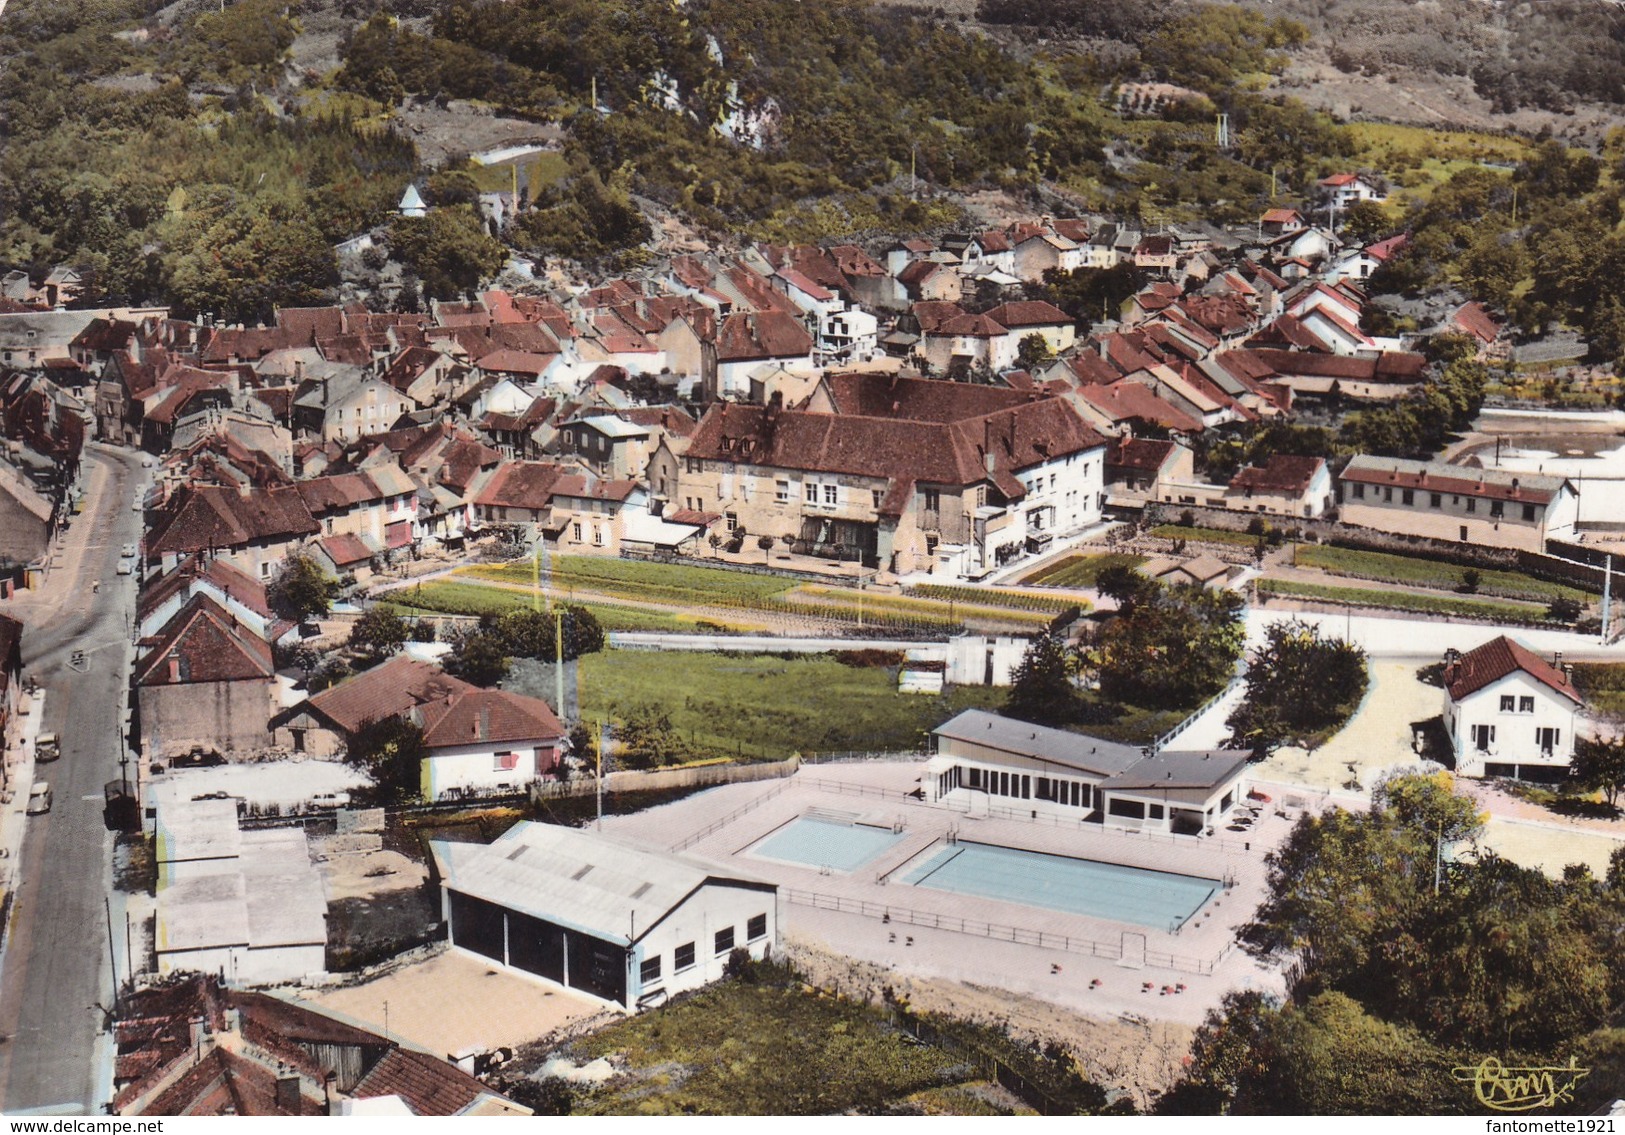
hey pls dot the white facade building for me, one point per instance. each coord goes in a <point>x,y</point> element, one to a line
<point>628,924</point>
<point>1510,712</point>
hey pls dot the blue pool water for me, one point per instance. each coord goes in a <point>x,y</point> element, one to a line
<point>1080,886</point>
<point>827,843</point>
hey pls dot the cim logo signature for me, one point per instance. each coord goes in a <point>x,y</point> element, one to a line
<point>1521,1089</point>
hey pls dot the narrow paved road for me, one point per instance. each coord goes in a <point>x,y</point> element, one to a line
<point>56,979</point>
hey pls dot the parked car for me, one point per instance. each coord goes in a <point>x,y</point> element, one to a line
<point>126,567</point>
<point>47,747</point>
<point>39,798</point>
<point>127,552</point>
<point>330,800</point>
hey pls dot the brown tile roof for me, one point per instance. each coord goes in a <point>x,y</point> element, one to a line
<point>762,335</point>
<point>853,261</point>
<point>388,690</point>
<point>1390,366</point>
<point>1135,401</point>
<point>920,399</point>
<point>339,492</point>
<point>1144,454</point>
<point>673,419</point>
<point>972,327</point>
<point>239,585</point>
<point>305,325</point>
<point>426,1085</point>
<point>932,314</point>
<point>1475,320</point>
<point>203,517</point>
<point>1498,658</point>
<point>1088,367</point>
<point>473,716</point>
<point>206,644</point>
<point>898,449</point>
<point>521,484</point>
<point>1283,473</point>
<point>1282,217</point>
<point>346,549</point>
<point>1074,230</point>
<point>1028,313</point>
<point>592,488</point>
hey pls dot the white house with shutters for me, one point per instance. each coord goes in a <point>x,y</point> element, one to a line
<point>1510,712</point>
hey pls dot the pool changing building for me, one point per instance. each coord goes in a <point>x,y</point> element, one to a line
<point>629,924</point>
<point>983,760</point>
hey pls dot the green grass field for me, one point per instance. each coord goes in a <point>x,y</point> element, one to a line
<point>1403,600</point>
<point>1204,535</point>
<point>444,598</point>
<point>1430,573</point>
<point>768,706</point>
<point>1080,571</point>
<point>742,1049</point>
<point>1603,684</point>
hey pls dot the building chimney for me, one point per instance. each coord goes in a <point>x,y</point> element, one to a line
<point>174,669</point>
<point>1557,659</point>
<point>287,1093</point>
<point>485,722</point>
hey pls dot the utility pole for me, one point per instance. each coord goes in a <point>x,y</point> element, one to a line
<point>558,660</point>
<point>1607,588</point>
<point>112,955</point>
<point>600,777</point>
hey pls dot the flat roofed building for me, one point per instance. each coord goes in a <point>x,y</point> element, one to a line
<point>984,761</point>
<point>628,924</point>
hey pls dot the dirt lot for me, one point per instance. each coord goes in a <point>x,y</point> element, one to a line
<point>1142,1059</point>
<point>462,128</point>
<point>378,904</point>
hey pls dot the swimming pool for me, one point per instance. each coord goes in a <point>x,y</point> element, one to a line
<point>1080,886</point>
<point>818,842</point>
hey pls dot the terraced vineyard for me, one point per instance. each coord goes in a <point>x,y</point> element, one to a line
<point>695,589</point>
<point>1386,567</point>
<point>1404,601</point>
<point>1080,570</point>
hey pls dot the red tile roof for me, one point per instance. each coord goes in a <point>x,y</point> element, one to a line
<point>1283,474</point>
<point>1137,402</point>
<point>203,517</point>
<point>474,716</point>
<point>1474,319</point>
<point>388,690</point>
<point>205,644</point>
<point>1143,454</point>
<point>1028,313</point>
<point>521,484</point>
<point>426,1085</point>
<point>932,314</point>
<point>1498,658</point>
<point>762,335</point>
<point>346,549</point>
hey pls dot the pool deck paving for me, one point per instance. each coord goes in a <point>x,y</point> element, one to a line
<point>1054,955</point>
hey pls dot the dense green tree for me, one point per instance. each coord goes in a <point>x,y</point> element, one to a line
<point>379,632</point>
<point>533,634</point>
<point>1034,351</point>
<point>478,657</point>
<point>1298,684</point>
<point>645,737</point>
<point>1599,764</point>
<point>392,751</point>
<point>448,250</point>
<point>301,589</point>
<point>1366,221</point>
<point>1041,687</point>
<point>1173,649</point>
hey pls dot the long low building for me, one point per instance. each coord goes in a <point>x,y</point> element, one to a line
<point>1490,507</point>
<point>624,923</point>
<point>983,759</point>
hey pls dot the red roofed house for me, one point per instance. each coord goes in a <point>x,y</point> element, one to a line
<point>905,474</point>
<point>1345,189</point>
<point>487,741</point>
<point>1136,467</point>
<point>195,1047</point>
<point>749,340</point>
<point>967,341</point>
<point>1036,317</point>
<point>1474,320</point>
<point>1274,222</point>
<point>205,679</point>
<point>1285,485</point>
<point>253,528</point>
<point>1510,712</point>
<point>1456,503</point>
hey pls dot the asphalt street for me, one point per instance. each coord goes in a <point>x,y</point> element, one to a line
<point>57,984</point>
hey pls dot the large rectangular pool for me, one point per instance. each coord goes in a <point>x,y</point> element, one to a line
<point>816,842</point>
<point>1080,886</point>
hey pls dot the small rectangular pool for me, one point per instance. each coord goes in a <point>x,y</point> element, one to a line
<point>816,842</point>
<point>1143,897</point>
